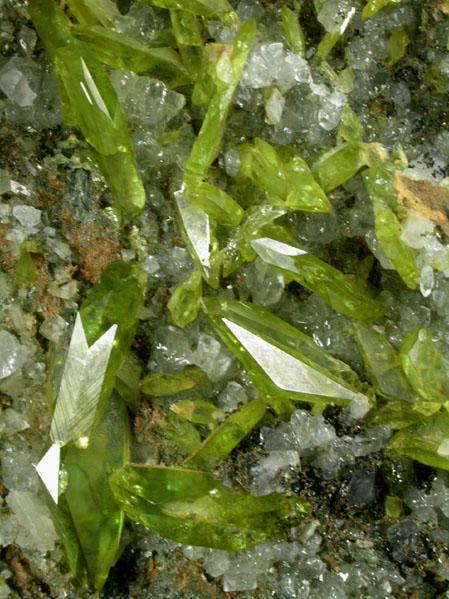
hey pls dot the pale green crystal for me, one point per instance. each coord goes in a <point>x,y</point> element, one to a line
<point>227,436</point>
<point>379,183</point>
<point>193,508</point>
<point>342,162</point>
<point>26,269</point>
<point>186,28</point>
<point>344,294</point>
<point>294,35</point>
<point>182,432</point>
<point>399,414</point>
<point>185,300</point>
<point>197,411</point>
<point>159,384</point>
<point>213,200</point>
<point>205,8</point>
<point>349,128</point>
<point>127,381</point>
<point>95,12</point>
<point>372,6</point>
<point>397,45</point>
<point>282,362</point>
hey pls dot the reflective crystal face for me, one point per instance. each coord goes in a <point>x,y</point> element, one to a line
<point>48,470</point>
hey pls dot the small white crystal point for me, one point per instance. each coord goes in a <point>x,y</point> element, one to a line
<point>48,470</point>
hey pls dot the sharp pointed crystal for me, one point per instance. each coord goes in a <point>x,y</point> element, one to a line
<point>48,470</point>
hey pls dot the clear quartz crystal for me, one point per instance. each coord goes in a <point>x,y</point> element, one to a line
<point>426,280</point>
<point>13,355</point>
<point>14,83</point>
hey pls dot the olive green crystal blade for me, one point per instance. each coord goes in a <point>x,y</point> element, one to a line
<point>379,183</point>
<point>227,436</point>
<point>121,52</point>
<point>382,363</point>
<point>197,411</point>
<point>282,362</point>
<point>427,441</point>
<point>341,163</point>
<point>205,8</point>
<point>424,365</point>
<point>207,144</point>
<point>158,384</point>
<point>213,200</point>
<point>127,381</point>
<point>97,518</point>
<point>186,28</point>
<point>350,128</point>
<point>26,269</point>
<point>182,432</point>
<point>193,508</point>
<point>90,103</point>
<point>113,300</point>
<point>185,300</point>
<point>400,414</point>
<point>284,175</point>
<point>343,294</point>
<point>294,35</point>
<point>372,6</point>
<point>82,380</point>
<point>94,12</point>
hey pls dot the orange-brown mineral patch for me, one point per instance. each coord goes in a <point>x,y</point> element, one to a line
<point>96,249</point>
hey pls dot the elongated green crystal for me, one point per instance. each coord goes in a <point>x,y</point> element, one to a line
<point>350,128</point>
<point>159,384</point>
<point>341,163</point>
<point>382,363</point>
<point>205,8</point>
<point>427,441</point>
<point>182,432</point>
<point>342,293</point>
<point>197,411</point>
<point>284,175</point>
<point>227,436</point>
<point>185,300</point>
<point>396,45</point>
<point>282,362</point>
<point>424,365</point>
<point>26,269</point>
<point>186,28</point>
<point>294,35</point>
<point>379,183</point>
<point>89,102</point>
<point>127,381</point>
<point>213,200</point>
<point>97,518</point>
<point>207,144</point>
<point>95,12</point>
<point>192,507</point>
<point>372,6</point>
<point>400,414</point>
<point>121,52</point>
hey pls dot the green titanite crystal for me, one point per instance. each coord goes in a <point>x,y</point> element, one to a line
<point>121,52</point>
<point>193,508</point>
<point>399,414</point>
<point>372,6</point>
<point>127,381</point>
<point>185,300</point>
<point>379,183</point>
<point>350,128</point>
<point>205,8</point>
<point>182,432</point>
<point>382,363</point>
<point>341,163</point>
<point>96,517</point>
<point>159,385</point>
<point>94,12</point>
<point>396,45</point>
<point>186,28</point>
<point>344,294</point>
<point>197,411</point>
<point>294,35</point>
<point>424,365</point>
<point>90,103</point>
<point>425,441</point>
<point>283,175</point>
<point>213,200</point>
<point>26,269</point>
<point>282,362</point>
<point>227,436</point>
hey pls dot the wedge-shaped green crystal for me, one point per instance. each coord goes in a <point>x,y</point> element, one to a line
<point>350,128</point>
<point>192,507</point>
<point>197,411</point>
<point>282,362</point>
<point>214,58</point>
<point>97,518</point>
<point>198,231</point>
<point>397,45</point>
<point>121,52</point>
<point>207,144</point>
<point>185,300</point>
<point>379,183</point>
<point>427,441</point>
<point>372,6</point>
<point>182,432</point>
<point>90,103</point>
<point>294,35</point>
<point>205,8</point>
<point>227,436</point>
<point>158,384</point>
<point>186,28</point>
<point>127,381</point>
<point>213,200</point>
<point>82,380</point>
<point>335,31</point>
<point>382,363</point>
<point>283,175</point>
<point>424,365</point>
<point>113,300</point>
<point>341,163</point>
<point>399,414</point>
<point>95,12</point>
<point>26,269</point>
<point>346,295</point>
